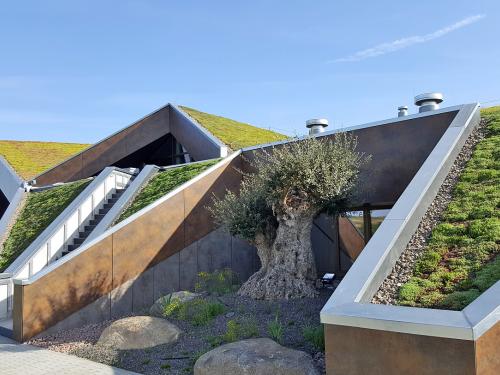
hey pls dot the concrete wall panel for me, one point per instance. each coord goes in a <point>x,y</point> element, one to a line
<point>188,267</point>
<point>166,276</point>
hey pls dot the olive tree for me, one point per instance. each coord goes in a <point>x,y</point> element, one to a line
<point>277,203</point>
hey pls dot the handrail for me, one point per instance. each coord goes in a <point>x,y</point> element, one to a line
<point>49,245</point>
<point>135,186</point>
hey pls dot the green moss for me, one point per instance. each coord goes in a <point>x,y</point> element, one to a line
<point>163,183</point>
<point>32,158</point>
<point>234,134</point>
<point>462,258</point>
<point>39,211</point>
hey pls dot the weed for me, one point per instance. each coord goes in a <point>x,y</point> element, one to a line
<point>240,330</point>
<point>198,312</point>
<point>315,335</point>
<point>217,283</point>
<point>275,329</point>
<point>166,366</point>
<point>146,361</point>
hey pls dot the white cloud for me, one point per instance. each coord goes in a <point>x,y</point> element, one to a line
<point>398,44</point>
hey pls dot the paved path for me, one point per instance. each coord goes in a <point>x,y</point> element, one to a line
<point>21,359</point>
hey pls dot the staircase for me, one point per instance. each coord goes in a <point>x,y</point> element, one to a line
<point>78,241</point>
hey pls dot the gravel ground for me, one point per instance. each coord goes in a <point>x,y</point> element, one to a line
<point>195,340</point>
<point>403,270</point>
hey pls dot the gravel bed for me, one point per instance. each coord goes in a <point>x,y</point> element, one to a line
<point>179,358</point>
<point>403,270</point>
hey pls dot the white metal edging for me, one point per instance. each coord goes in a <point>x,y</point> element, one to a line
<point>347,306</point>
<point>212,138</point>
<point>142,178</point>
<point>125,222</point>
<point>10,181</point>
<point>42,242</point>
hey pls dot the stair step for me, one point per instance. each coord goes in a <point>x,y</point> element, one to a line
<point>71,248</point>
<point>88,228</point>
<point>78,241</point>
<point>103,211</point>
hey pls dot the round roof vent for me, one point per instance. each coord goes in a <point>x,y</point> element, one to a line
<point>428,101</point>
<point>317,125</point>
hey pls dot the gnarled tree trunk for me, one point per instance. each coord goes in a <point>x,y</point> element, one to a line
<point>288,267</point>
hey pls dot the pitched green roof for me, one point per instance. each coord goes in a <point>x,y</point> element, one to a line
<point>233,133</point>
<point>29,158</point>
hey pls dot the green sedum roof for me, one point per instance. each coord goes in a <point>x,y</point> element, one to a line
<point>462,258</point>
<point>30,158</point>
<point>234,134</point>
<point>41,209</point>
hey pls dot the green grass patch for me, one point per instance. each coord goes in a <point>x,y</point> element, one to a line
<point>275,329</point>
<point>29,159</point>
<point>315,335</point>
<point>163,183</point>
<point>198,312</point>
<point>39,211</point>
<point>462,258</point>
<point>217,283</point>
<point>234,134</point>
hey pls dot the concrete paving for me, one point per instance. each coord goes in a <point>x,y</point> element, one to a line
<point>22,359</point>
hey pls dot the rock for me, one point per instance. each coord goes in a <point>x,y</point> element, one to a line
<point>230,314</point>
<point>139,332</point>
<point>260,356</point>
<point>183,296</point>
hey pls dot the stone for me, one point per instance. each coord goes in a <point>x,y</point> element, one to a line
<point>139,332</point>
<point>260,356</point>
<point>159,305</point>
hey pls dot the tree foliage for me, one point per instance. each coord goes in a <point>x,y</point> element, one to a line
<point>311,175</point>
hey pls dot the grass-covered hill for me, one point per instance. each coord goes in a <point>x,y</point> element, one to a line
<point>29,158</point>
<point>39,211</point>
<point>462,258</point>
<point>162,183</point>
<point>234,134</point>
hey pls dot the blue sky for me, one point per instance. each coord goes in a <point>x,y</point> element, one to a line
<point>79,70</point>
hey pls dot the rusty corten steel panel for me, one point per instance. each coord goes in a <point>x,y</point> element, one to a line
<point>354,351</point>
<point>111,150</point>
<point>351,241</point>
<point>488,352</point>
<point>199,195</point>
<point>140,244</point>
<point>398,151</point>
<point>67,289</point>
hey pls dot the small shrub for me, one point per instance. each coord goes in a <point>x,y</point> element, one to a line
<point>428,262</point>
<point>166,366</point>
<point>240,330</point>
<point>275,329</point>
<point>315,335</point>
<point>488,275</point>
<point>459,299</point>
<point>409,292</point>
<point>197,311</point>
<point>217,283</point>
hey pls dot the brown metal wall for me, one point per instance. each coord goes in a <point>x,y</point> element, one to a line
<point>398,150</point>
<point>488,352</point>
<point>355,351</point>
<point>109,151</point>
<point>161,232</point>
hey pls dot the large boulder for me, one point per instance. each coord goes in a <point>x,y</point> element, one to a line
<point>255,357</point>
<point>139,332</point>
<point>159,305</point>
